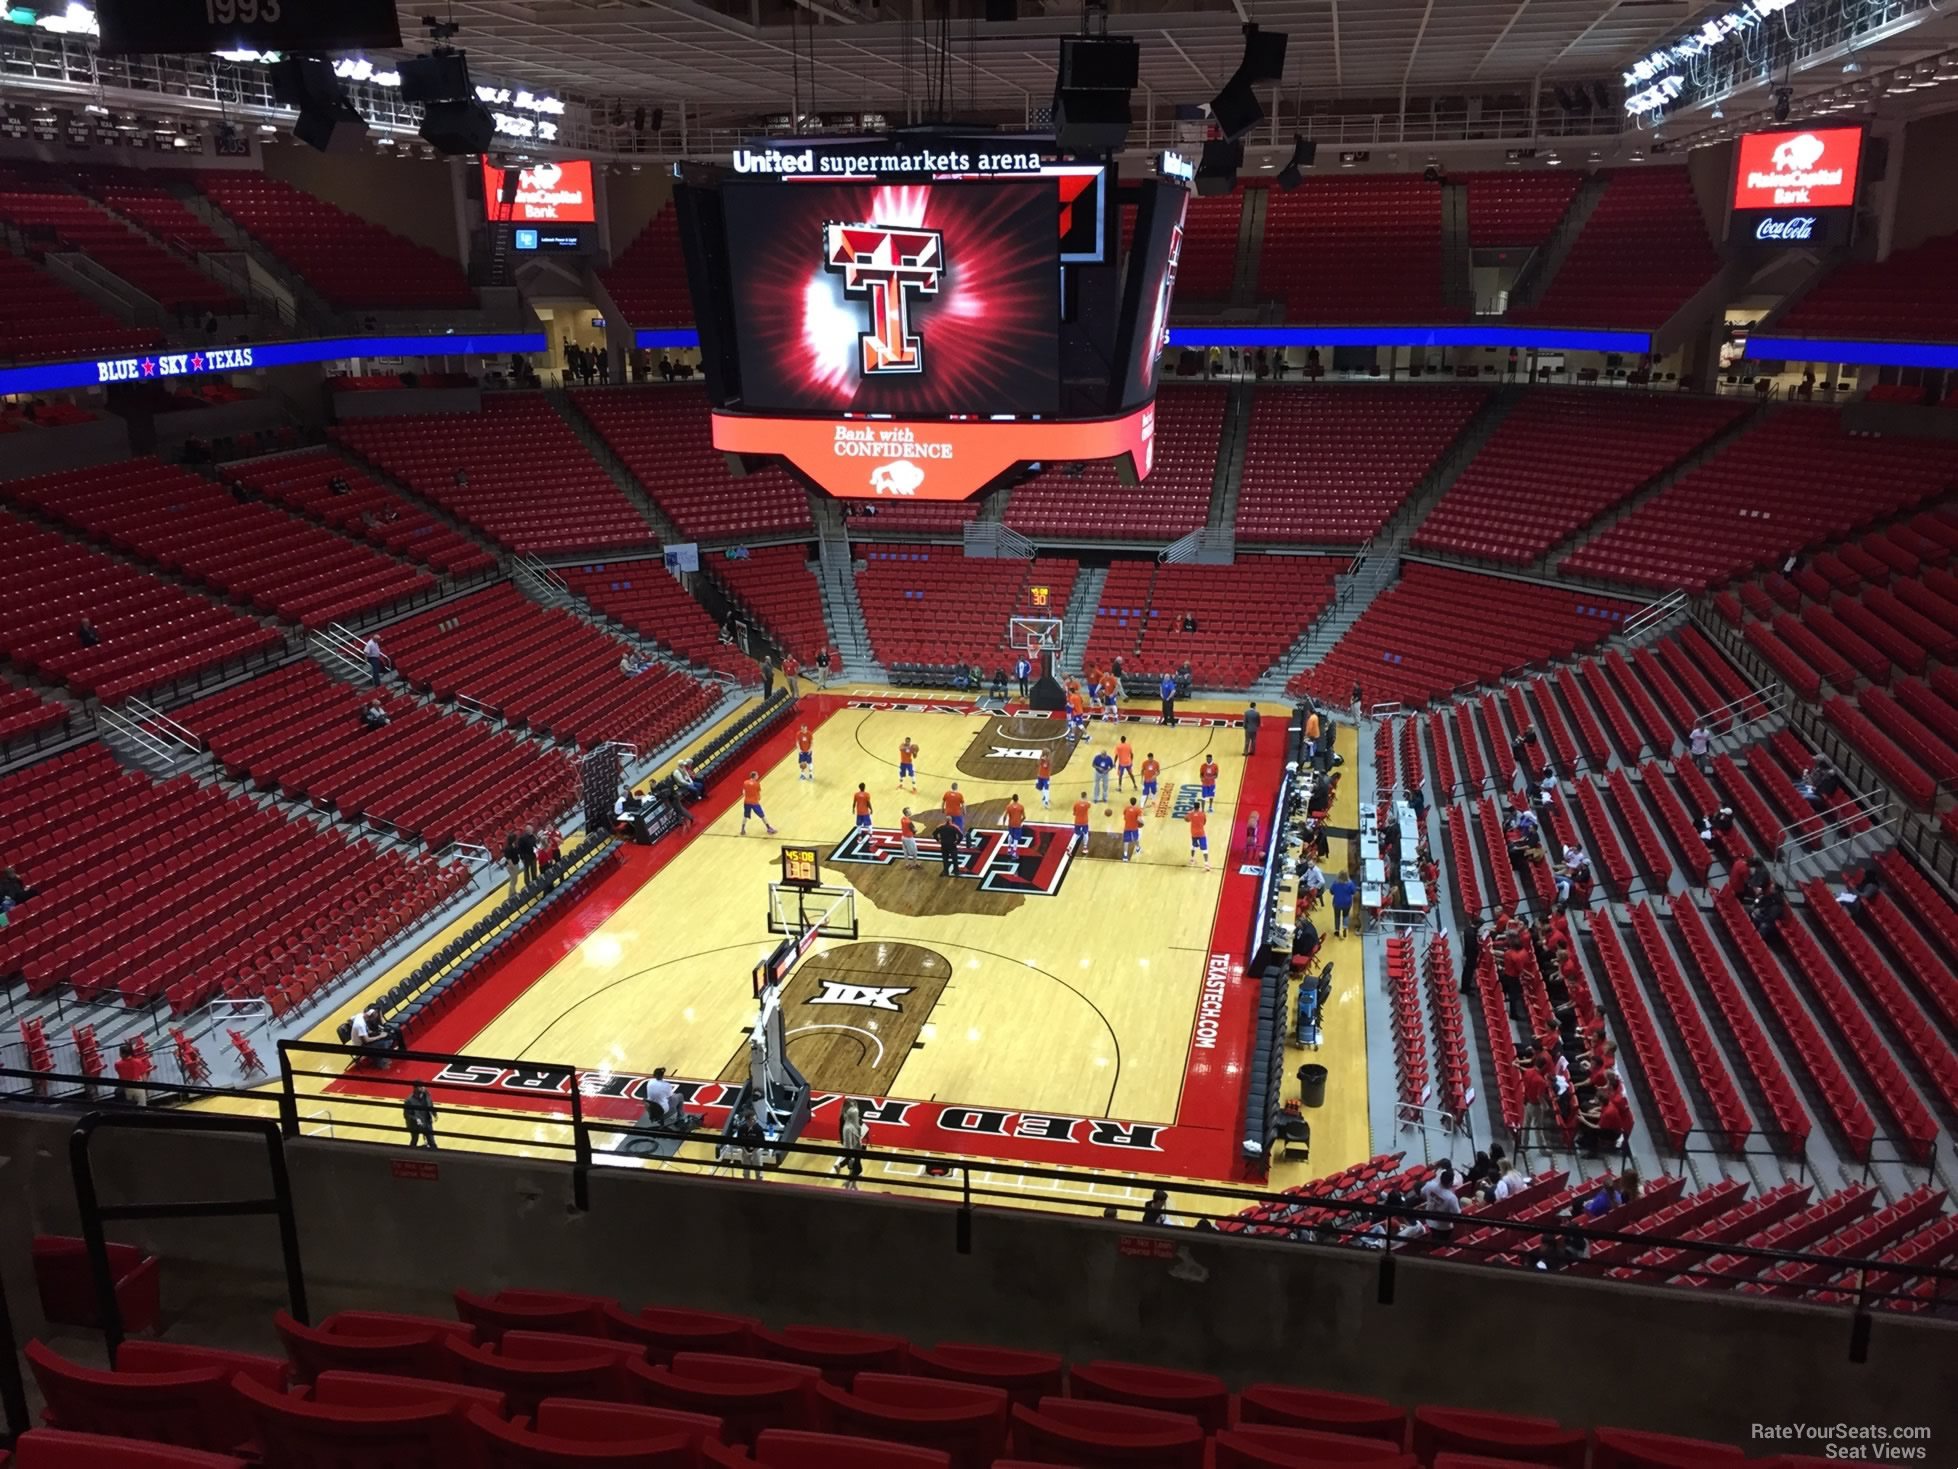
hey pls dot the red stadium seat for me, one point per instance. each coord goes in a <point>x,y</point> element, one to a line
<point>517,1310</point>
<point>748,1394</point>
<point>393,1323</point>
<point>840,1354</point>
<point>54,1448</point>
<point>1263,1446</point>
<point>1622,1448</point>
<point>531,1368</point>
<point>501,1445</point>
<point>963,1419</point>
<point>664,1330</point>
<point>1026,1376</point>
<point>297,1434</point>
<point>1067,1431</point>
<point>67,1289</point>
<point>313,1350</point>
<point>575,1418</point>
<point>787,1448</point>
<point>1638,259</point>
<point>192,1403</point>
<point>371,1390</point>
<point>1509,1435</point>
<point>1327,1412</point>
<point>1202,1396</point>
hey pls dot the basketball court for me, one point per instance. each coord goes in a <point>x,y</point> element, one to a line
<point>1043,1005</point>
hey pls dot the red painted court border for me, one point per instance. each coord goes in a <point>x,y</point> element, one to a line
<point>1202,1143</point>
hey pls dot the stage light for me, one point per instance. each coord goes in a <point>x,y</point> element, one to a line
<point>1782,97</point>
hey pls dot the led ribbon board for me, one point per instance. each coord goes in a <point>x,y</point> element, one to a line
<point>49,377</point>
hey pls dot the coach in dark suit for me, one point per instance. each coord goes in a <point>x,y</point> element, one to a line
<point>948,837</point>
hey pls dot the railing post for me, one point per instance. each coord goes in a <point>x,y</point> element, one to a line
<point>13,1391</point>
<point>288,1096</point>
<point>963,1229</point>
<point>580,1149</point>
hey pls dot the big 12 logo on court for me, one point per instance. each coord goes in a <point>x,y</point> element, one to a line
<point>887,265</point>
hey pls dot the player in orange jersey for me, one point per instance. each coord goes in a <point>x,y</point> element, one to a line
<point>1043,779</point>
<point>954,804</point>
<point>1124,762</point>
<point>1111,693</point>
<point>1152,768</point>
<point>1016,823</point>
<point>1083,809</point>
<point>860,803</point>
<point>908,830</point>
<point>907,765</point>
<point>1199,842</point>
<point>751,803</point>
<point>1131,830</point>
<point>1208,775</point>
<point>1077,716</point>
<point>805,756</point>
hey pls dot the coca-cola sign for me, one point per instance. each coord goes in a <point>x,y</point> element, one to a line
<point>1775,229</point>
<point>1800,227</point>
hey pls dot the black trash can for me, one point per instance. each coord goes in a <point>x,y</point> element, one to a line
<point>1312,1086</point>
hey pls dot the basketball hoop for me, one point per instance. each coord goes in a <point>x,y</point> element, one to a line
<point>1034,635</point>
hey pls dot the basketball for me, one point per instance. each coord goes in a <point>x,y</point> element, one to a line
<point>1108,811</point>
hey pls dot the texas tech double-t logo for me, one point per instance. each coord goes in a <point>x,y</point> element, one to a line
<point>1034,869</point>
<point>887,265</point>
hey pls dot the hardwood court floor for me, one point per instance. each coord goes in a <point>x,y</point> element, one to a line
<point>1023,1009</point>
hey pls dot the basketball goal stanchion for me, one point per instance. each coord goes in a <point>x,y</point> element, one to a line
<point>1038,640</point>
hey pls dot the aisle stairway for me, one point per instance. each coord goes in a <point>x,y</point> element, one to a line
<point>1080,618</point>
<point>1356,589</point>
<point>836,571</point>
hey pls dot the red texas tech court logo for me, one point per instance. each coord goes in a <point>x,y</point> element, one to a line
<point>887,265</point>
<point>1035,869</point>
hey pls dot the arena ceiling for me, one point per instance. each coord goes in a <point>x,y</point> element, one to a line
<point>745,55</point>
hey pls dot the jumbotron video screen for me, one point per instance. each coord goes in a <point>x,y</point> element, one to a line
<point>886,329</point>
<point>927,298</point>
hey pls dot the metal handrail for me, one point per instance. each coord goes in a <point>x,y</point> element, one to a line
<point>1766,703</point>
<point>702,1152</point>
<point>155,718</point>
<point>94,1214</point>
<point>114,723</point>
<point>1652,614</point>
<point>327,648</point>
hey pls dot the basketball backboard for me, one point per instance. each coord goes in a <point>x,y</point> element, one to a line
<point>809,913</point>
<point>1034,634</point>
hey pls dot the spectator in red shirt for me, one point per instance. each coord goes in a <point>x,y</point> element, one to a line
<point>1515,959</point>
<point>1605,1123</point>
<point>132,1067</point>
<point>1536,1092</point>
<point>1737,873</point>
